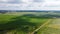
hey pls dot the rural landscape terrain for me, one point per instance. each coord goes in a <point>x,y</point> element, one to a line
<point>29,22</point>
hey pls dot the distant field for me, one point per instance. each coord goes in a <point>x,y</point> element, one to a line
<point>20,23</point>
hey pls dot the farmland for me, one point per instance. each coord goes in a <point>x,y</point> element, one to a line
<point>23,22</point>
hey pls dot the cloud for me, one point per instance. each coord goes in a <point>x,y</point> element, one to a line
<point>38,0</point>
<point>29,5</point>
<point>10,1</point>
<point>3,0</point>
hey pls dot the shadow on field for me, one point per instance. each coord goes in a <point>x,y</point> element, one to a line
<point>17,23</point>
<point>40,16</point>
<point>21,23</point>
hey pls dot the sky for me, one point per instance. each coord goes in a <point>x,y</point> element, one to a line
<point>29,4</point>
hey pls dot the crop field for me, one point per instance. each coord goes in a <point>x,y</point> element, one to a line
<point>21,23</point>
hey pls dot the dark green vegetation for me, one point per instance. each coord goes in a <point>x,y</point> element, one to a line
<point>21,24</point>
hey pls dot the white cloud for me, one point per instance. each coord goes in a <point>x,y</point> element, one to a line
<point>27,1</point>
<point>3,0</point>
<point>30,5</point>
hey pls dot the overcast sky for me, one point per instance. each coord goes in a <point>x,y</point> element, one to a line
<point>29,4</point>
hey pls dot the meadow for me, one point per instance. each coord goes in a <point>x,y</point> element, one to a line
<point>21,22</point>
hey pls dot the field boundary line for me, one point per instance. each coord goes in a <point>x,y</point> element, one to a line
<point>41,26</point>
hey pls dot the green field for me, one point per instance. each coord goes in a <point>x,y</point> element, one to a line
<point>20,23</point>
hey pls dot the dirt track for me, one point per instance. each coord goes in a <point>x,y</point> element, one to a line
<point>41,26</point>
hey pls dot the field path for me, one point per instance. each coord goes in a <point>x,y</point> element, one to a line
<point>41,26</point>
<point>52,28</point>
